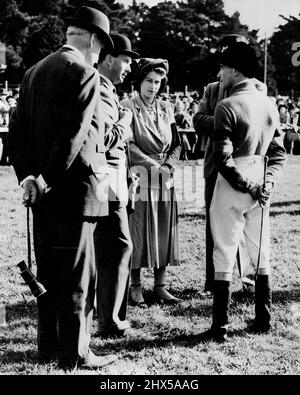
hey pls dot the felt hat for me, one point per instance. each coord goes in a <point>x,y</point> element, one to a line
<point>241,57</point>
<point>230,39</point>
<point>122,46</point>
<point>93,21</point>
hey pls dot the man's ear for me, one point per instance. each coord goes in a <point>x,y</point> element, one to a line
<point>109,59</point>
<point>236,73</point>
<point>92,39</point>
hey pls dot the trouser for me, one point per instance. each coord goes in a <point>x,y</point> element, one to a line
<point>113,251</point>
<point>209,243</point>
<point>4,153</point>
<point>243,260</point>
<point>65,259</point>
<point>235,214</point>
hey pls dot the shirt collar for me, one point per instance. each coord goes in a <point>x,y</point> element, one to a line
<point>245,85</point>
<point>106,81</point>
<point>76,50</point>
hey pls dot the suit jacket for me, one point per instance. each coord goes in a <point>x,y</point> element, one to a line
<point>57,131</point>
<point>117,133</point>
<point>204,121</point>
<point>150,139</point>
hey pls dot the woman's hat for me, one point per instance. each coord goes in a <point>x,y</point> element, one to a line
<point>94,21</point>
<point>241,57</point>
<point>122,46</point>
<point>145,65</point>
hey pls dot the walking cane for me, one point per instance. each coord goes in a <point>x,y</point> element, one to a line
<point>262,219</point>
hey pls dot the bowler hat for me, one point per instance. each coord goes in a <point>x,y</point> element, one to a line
<point>94,21</point>
<point>233,38</point>
<point>241,57</point>
<point>122,46</point>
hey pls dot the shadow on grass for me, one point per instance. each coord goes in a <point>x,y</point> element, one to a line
<point>176,339</point>
<point>201,215</point>
<point>18,357</point>
<point>21,311</point>
<point>283,204</point>
<point>291,212</point>
<point>284,297</point>
<point>238,297</point>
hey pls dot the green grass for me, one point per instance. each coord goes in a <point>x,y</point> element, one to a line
<point>166,340</point>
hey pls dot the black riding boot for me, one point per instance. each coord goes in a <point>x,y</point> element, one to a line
<point>221,303</point>
<point>263,296</point>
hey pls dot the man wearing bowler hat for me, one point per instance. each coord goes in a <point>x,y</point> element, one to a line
<point>249,155</point>
<point>56,141</point>
<point>114,245</point>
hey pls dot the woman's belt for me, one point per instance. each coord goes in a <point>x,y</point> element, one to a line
<point>249,160</point>
<point>158,156</point>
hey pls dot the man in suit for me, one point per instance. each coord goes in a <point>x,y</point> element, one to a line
<point>114,246</point>
<point>56,142</point>
<point>249,155</point>
<point>204,123</point>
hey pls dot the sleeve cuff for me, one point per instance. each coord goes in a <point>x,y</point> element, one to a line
<point>43,184</point>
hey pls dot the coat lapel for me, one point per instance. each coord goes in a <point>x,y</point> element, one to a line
<point>144,117</point>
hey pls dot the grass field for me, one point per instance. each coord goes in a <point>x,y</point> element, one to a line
<point>165,340</point>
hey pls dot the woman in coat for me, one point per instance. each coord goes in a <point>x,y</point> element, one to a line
<point>153,153</point>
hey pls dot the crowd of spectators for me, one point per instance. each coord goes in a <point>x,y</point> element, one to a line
<point>8,102</point>
<point>185,107</point>
<point>289,114</point>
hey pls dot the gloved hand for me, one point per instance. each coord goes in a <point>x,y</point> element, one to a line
<point>125,115</point>
<point>262,193</point>
<point>32,193</point>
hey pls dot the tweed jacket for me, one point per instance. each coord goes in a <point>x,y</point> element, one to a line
<point>247,123</point>
<point>117,133</point>
<point>150,139</point>
<point>204,121</point>
<point>57,131</point>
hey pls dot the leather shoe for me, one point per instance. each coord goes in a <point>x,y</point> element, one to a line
<point>204,294</point>
<point>135,296</point>
<point>114,329</point>
<point>256,327</point>
<point>92,361</point>
<point>162,296</point>
<point>212,334</point>
<point>248,290</point>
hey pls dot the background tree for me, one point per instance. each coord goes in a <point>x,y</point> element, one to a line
<point>280,48</point>
<point>186,33</point>
<point>13,32</point>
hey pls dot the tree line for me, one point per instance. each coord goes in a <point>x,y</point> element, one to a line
<point>185,33</point>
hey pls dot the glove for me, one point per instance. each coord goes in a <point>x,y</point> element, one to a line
<point>32,193</point>
<point>265,193</point>
<point>262,193</point>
